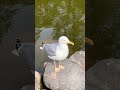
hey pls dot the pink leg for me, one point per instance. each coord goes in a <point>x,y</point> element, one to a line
<point>54,74</point>
<point>61,66</point>
<point>56,69</point>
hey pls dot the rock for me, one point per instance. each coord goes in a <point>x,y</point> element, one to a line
<point>79,57</point>
<point>37,81</point>
<point>105,75</point>
<point>72,77</point>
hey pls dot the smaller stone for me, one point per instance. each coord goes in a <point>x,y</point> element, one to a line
<point>37,81</point>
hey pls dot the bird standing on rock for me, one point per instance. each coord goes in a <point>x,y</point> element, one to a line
<point>57,51</point>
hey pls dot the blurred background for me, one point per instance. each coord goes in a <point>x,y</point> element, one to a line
<point>16,21</point>
<point>102,26</point>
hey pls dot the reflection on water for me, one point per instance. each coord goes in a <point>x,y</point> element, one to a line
<point>46,34</point>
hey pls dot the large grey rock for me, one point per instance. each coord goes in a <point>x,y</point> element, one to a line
<point>72,77</point>
<point>105,75</point>
<point>79,57</point>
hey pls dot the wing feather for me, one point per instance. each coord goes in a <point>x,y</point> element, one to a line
<point>50,49</point>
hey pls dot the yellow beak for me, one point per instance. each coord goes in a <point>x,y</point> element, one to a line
<point>70,43</point>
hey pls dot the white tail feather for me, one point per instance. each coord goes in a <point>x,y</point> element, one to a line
<point>41,48</point>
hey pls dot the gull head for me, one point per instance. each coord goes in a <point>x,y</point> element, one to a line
<point>64,40</point>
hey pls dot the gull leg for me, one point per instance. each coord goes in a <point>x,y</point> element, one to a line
<point>54,74</point>
<point>56,69</point>
<point>61,66</point>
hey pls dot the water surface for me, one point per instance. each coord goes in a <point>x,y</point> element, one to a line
<point>57,18</point>
<point>65,17</point>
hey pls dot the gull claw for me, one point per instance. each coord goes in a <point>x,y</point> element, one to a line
<point>61,66</point>
<point>57,69</point>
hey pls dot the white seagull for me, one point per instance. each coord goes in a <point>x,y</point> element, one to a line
<point>57,51</point>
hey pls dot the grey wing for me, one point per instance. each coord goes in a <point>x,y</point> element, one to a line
<point>50,49</point>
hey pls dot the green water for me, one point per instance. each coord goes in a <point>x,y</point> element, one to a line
<point>66,17</point>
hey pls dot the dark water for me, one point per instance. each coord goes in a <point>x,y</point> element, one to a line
<point>102,26</point>
<point>14,73</point>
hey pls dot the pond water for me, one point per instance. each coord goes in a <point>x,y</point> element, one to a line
<point>62,17</point>
<point>57,18</point>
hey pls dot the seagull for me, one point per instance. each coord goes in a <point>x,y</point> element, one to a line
<point>57,51</point>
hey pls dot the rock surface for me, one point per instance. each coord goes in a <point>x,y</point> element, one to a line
<point>105,75</point>
<point>37,81</point>
<point>72,77</point>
